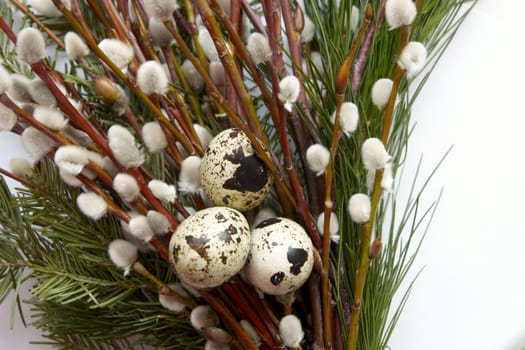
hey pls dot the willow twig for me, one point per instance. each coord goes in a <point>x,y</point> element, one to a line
<point>341,85</point>
<point>364,256</point>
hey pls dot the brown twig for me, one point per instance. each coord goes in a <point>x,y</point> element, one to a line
<point>341,85</point>
<point>228,318</point>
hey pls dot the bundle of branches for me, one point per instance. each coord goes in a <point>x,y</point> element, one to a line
<point>234,159</point>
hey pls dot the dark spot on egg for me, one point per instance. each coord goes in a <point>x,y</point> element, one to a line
<point>234,133</point>
<point>251,175</point>
<point>226,199</point>
<point>199,245</point>
<point>220,218</point>
<point>176,251</point>
<point>232,229</point>
<point>268,222</point>
<point>277,278</point>
<point>297,257</point>
<point>225,236</point>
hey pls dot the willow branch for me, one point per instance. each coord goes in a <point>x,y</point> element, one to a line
<point>364,256</point>
<point>341,85</point>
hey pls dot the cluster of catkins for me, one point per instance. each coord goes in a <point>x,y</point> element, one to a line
<point>215,243</point>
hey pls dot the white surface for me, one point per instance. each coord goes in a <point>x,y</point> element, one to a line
<point>471,293</point>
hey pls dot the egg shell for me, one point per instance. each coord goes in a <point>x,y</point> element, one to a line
<point>231,174</point>
<point>281,256</point>
<point>210,246</point>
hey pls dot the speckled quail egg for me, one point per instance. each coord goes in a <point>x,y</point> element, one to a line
<point>231,174</point>
<point>281,256</point>
<point>210,246</point>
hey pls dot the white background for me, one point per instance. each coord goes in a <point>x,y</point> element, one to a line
<point>471,293</point>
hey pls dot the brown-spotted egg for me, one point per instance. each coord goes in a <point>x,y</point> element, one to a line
<point>281,256</point>
<point>210,246</point>
<point>231,174</point>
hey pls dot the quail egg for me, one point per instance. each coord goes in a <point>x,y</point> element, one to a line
<point>281,256</point>
<point>210,246</point>
<point>231,174</point>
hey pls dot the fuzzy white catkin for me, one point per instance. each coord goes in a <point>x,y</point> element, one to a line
<point>140,228</point>
<point>259,48</point>
<point>348,118</point>
<point>374,154</point>
<point>5,80</point>
<point>154,137</point>
<point>289,89</point>
<point>334,226</point>
<point>30,46</point>
<point>354,18</point>
<point>400,13</point>
<point>117,51</point>
<point>381,91</point>
<point>203,134</point>
<point>192,76</point>
<point>122,104</point>
<point>263,214</point>
<point>37,143</point>
<point>96,158</point>
<point>47,8</point>
<point>160,34</point>
<point>69,178</point>
<point>41,94</point>
<point>207,45</point>
<point>142,246</point>
<point>51,117</point>
<point>308,32</point>
<point>8,118</point>
<point>169,302</point>
<point>291,331</point>
<point>19,88</point>
<point>213,345</point>
<point>126,186</point>
<point>162,191</point>
<point>413,58</point>
<point>158,222</point>
<point>78,136</point>
<point>217,74</point>
<point>251,331</point>
<point>189,176</point>
<point>75,46</point>
<point>162,9</point>
<point>359,208</point>
<point>152,78</point>
<point>92,205</point>
<point>317,157</point>
<point>203,316</point>
<point>124,148</point>
<point>123,254</point>
<point>71,158</point>
<point>387,181</point>
<point>109,166</point>
<point>21,167</point>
